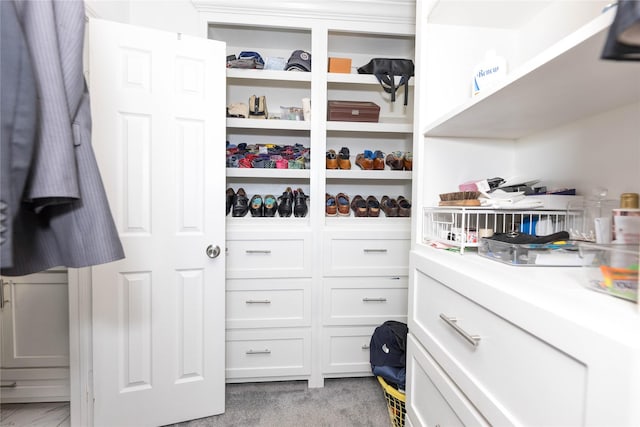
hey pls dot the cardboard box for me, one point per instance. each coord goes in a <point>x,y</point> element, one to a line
<point>353,111</point>
<point>340,65</point>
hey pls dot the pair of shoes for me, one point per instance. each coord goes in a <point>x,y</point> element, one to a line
<point>293,202</point>
<point>389,206</point>
<point>343,158</point>
<point>332,159</point>
<point>365,208</point>
<point>240,203</point>
<point>398,161</point>
<point>260,207</point>
<point>337,205</point>
<point>404,207</point>
<point>300,209</point>
<point>370,160</point>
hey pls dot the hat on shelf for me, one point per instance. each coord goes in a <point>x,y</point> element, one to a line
<point>299,61</point>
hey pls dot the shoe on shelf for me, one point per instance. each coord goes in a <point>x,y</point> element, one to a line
<point>230,194</point>
<point>395,161</point>
<point>389,206</point>
<point>256,207</point>
<point>331,208</point>
<point>240,205</point>
<point>285,207</point>
<point>408,161</point>
<point>404,207</point>
<point>378,160</point>
<point>373,207</point>
<point>300,208</point>
<point>359,206</point>
<point>364,160</point>
<point>332,159</point>
<point>343,159</point>
<point>342,200</point>
<point>270,205</point>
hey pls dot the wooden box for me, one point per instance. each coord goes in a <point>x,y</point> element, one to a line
<point>340,65</point>
<point>353,111</point>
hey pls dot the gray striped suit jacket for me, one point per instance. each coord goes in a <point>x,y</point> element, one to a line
<point>65,217</point>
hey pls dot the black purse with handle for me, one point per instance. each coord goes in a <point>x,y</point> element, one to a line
<point>386,69</point>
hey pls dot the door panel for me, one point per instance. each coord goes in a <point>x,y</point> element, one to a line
<point>158,315</point>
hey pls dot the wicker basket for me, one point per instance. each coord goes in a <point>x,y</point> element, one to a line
<point>395,403</point>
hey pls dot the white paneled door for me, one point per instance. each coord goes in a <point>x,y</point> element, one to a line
<point>158,106</point>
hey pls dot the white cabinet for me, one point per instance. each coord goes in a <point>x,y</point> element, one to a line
<point>505,345</point>
<point>35,338</point>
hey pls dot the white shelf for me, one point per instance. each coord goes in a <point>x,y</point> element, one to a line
<point>369,174</point>
<point>268,124</point>
<point>387,126</point>
<point>566,82</point>
<point>268,173</point>
<point>353,78</point>
<point>297,76</point>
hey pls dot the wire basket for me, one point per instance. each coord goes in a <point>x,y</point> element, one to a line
<point>395,403</point>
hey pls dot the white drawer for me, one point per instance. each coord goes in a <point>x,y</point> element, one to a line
<point>508,375</point>
<point>253,255</point>
<point>364,301</point>
<point>268,303</point>
<point>346,350</point>
<point>371,256</point>
<point>268,353</point>
<point>432,398</point>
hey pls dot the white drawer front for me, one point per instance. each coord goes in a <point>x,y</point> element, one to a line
<point>265,303</point>
<point>268,257</point>
<point>268,353</point>
<point>364,301</point>
<point>510,370</point>
<point>346,350</point>
<point>366,257</point>
<point>432,398</point>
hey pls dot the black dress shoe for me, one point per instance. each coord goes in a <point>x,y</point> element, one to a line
<point>270,205</point>
<point>300,209</point>
<point>285,207</point>
<point>240,203</point>
<point>256,207</point>
<point>230,194</point>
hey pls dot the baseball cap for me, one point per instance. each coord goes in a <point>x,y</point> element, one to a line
<point>300,60</point>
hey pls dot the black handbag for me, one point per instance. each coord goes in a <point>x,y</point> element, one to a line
<point>386,69</point>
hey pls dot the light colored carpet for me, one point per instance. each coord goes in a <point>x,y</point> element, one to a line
<point>344,402</point>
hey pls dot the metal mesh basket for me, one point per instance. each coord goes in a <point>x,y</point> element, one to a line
<point>395,403</point>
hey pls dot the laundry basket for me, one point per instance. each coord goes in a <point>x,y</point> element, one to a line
<point>395,403</point>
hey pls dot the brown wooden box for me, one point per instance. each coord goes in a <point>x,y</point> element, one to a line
<point>340,65</point>
<point>353,111</point>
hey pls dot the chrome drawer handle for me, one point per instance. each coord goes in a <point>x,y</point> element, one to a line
<point>257,301</point>
<point>366,346</point>
<point>365,299</point>
<point>265,351</point>
<point>375,251</point>
<point>12,385</point>
<point>256,251</point>
<point>474,340</point>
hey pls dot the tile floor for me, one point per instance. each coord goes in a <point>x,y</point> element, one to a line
<point>49,414</point>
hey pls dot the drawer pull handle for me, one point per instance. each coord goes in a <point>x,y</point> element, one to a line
<point>258,251</point>
<point>366,346</point>
<point>474,340</point>
<point>375,251</point>
<point>258,301</point>
<point>12,385</point>
<point>265,351</point>
<point>365,299</point>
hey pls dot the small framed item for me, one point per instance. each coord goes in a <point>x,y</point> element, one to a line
<point>257,107</point>
<point>353,111</point>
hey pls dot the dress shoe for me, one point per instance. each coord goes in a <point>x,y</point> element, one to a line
<point>332,160</point>
<point>404,207</point>
<point>359,206</point>
<point>230,194</point>
<point>373,207</point>
<point>389,206</point>
<point>378,160</point>
<point>285,207</point>
<point>300,208</point>
<point>364,161</point>
<point>408,161</point>
<point>240,203</point>
<point>331,209</point>
<point>343,159</point>
<point>270,205</point>
<point>395,161</point>
<point>342,200</point>
<point>256,207</point>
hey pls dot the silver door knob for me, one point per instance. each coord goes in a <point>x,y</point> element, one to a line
<point>213,252</point>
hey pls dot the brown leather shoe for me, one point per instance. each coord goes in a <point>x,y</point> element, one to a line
<point>331,209</point>
<point>343,159</point>
<point>364,162</point>
<point>373,206</point>
<point>404,207</point>
<point>408,161</point>
<point>359,206</point>
<point>389,206</point>
<point>332,160</point>
<point>342,201</point>
<point>378,160</point>
<point>395,161</point>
